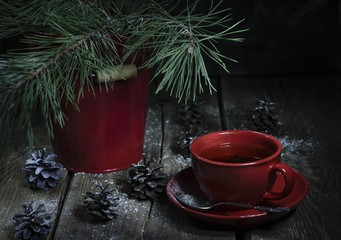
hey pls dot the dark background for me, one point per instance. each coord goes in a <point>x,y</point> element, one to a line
<point>285,37</point>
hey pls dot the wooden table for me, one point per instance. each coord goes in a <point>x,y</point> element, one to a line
<point>310,116</point>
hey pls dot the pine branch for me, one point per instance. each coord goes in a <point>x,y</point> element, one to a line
<point>59,54</point>
<point>71,39</point>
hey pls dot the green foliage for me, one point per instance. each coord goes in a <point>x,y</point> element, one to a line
<point>72,39</point>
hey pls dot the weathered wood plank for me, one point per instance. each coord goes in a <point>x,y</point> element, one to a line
<point>75,223</point>
<point>309,134</point>
<point>166,221</point>
<point>15,192</point>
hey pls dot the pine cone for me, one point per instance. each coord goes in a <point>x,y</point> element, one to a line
<point>102,205</point>
<point>32,224</point>
<point>183,143</point>
<point>42,171</point>
<point>147,182</point>
<point>263,117</point>
<point>190,115</point>
<point>192,121</point>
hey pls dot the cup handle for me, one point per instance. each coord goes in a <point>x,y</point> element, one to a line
<point>289,178</point>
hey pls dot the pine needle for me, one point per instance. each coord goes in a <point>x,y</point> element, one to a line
<point>68,40</point>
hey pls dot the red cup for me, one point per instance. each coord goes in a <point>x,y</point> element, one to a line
<point>240,166</point>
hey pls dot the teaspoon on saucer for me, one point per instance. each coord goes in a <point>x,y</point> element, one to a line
<point>203,205</point>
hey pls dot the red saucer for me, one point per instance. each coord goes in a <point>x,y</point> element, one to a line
<point>184,183</point>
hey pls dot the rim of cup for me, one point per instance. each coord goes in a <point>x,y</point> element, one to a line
<point>269,138</point>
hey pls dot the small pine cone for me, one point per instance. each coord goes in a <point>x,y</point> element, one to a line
<point>147,182</point>
<point>32,223</point>
<point>183,143</point>
<point>101,205</point>
<point>42,171</point>
<point>190,115</point>
<point>263,117</point>
<point>192,121</point>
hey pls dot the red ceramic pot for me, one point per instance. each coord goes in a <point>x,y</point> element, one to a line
<point>107,132</point>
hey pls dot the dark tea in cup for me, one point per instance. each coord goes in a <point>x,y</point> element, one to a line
<point>236,153</point>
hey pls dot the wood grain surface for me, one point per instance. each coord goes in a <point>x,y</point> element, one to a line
<point>309,131</point>
<point>15,192</point>
<point>309,116</point>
